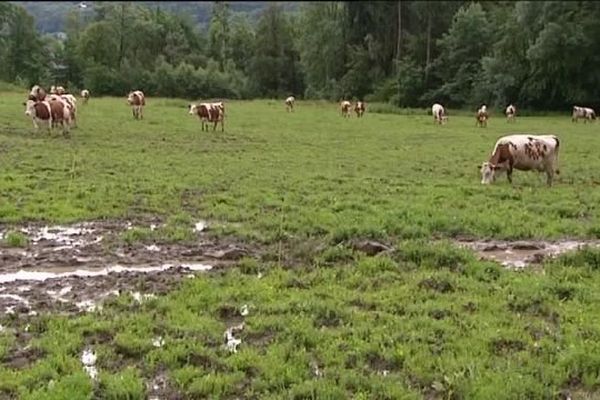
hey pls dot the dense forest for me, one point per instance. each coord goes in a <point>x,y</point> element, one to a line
<point>537,54</point>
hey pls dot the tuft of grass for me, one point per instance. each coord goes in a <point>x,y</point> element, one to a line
<point>16,239</point>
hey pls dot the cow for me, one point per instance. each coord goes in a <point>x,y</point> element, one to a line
<point>345,106</point>
<point>71,103</point>
<point>59,90</point>
<point>209,112</point>
<point>511,113</point>
<point>37,93</point>
<point>137,102</point>
<point>289,103</point>
<point>522,152</point>
<point>439,114</point>
<point>359,109</point>
<point>85,95</point>
<point>586,113</point>
<point>40,112</point>
<point>62,113</point>
<point>482,116</point>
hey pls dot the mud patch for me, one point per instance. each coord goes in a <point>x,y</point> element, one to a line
<point>74,268</point>
<point>521,254</point>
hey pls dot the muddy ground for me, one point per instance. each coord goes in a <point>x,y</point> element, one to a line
<point>73,268</point>
<point>521,254</point>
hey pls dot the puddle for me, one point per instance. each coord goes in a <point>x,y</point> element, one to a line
<point>232,343</point>
<point>521,254</point>
<point>59,273</point>
<point>88,359</point>
<point>75,268</point>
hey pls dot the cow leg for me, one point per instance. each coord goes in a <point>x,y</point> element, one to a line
<point>141,113</point>
<point>509,172</point>
<point>222,126</point>
<point>549,176</point>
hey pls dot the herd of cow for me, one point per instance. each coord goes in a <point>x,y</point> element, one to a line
<point>521,152</point>
<point>440,115</point>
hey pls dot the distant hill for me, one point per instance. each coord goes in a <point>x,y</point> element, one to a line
<point>49,15</point>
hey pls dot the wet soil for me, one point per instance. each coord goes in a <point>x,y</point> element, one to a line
<point>521,254</point>
<point>74,268</point>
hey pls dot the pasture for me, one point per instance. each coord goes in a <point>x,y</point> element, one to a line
<point>296,194</point>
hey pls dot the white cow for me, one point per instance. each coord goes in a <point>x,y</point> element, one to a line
<point>85,95</point>
<point>525,153</point>
<point>71,103</point>
<point>289,103</point>
<point>439,113</point>
<point>482,116</point>
<point>511,113</point>
<point>345,106</point>
<point>586,113</point>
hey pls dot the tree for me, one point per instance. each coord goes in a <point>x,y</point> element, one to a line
<point>462,48</point>
<point>274,55</point>
<point>219,33</point>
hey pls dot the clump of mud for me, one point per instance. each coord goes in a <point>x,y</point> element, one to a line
<point>521,254</point>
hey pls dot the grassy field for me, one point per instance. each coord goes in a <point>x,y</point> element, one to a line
<point>426,320</point>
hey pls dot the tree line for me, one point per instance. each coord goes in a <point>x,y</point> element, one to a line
<point>536,54</point>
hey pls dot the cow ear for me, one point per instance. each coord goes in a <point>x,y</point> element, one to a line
<point>495,167</point>
<point>24,104</point>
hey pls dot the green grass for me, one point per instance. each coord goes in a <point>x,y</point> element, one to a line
<point>310,173</point>
<point>442,324</point>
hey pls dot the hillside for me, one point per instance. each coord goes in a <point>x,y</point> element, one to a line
<point>49,15</point>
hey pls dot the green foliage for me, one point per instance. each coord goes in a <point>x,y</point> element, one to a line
<point>537,55</point>
<point>16,239</point>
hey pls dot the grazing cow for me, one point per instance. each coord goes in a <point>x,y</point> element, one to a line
<point>40,112</point>
<point>289,103</point>
<point>137,102</point>
<point>85,95</point>
<point>209,112</point>
<point>522,152</point>
<point>511,113</point>
<point>37,93</point>
<point>482,116</point>
<point>439,114</point>
<point>345,106</point>
<point>586,113</point>
<point>359,109</point>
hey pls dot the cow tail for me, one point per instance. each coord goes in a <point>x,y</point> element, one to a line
<point>556,155</point>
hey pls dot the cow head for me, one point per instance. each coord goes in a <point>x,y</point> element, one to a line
<point>29,107</point>
<point>193,109</point>
<point>488,172</point>
<point>130,98</point>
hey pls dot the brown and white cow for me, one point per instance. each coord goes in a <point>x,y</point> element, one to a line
<point>289,103</point>
<point>85,95</point>
<point>37,93</point>
<point>209,112</point>
<point>482,116</point>
<point>61,113</point>
<point>359,108</point>
<point>586,113</point>
<point>59,90</point>
<point>137,101</point>
<point>439,114</point>
<point>345,107</point>
<point>522,152</point>
<point>40,113</point>
<point>511,113</point>
<point>71,103</point>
